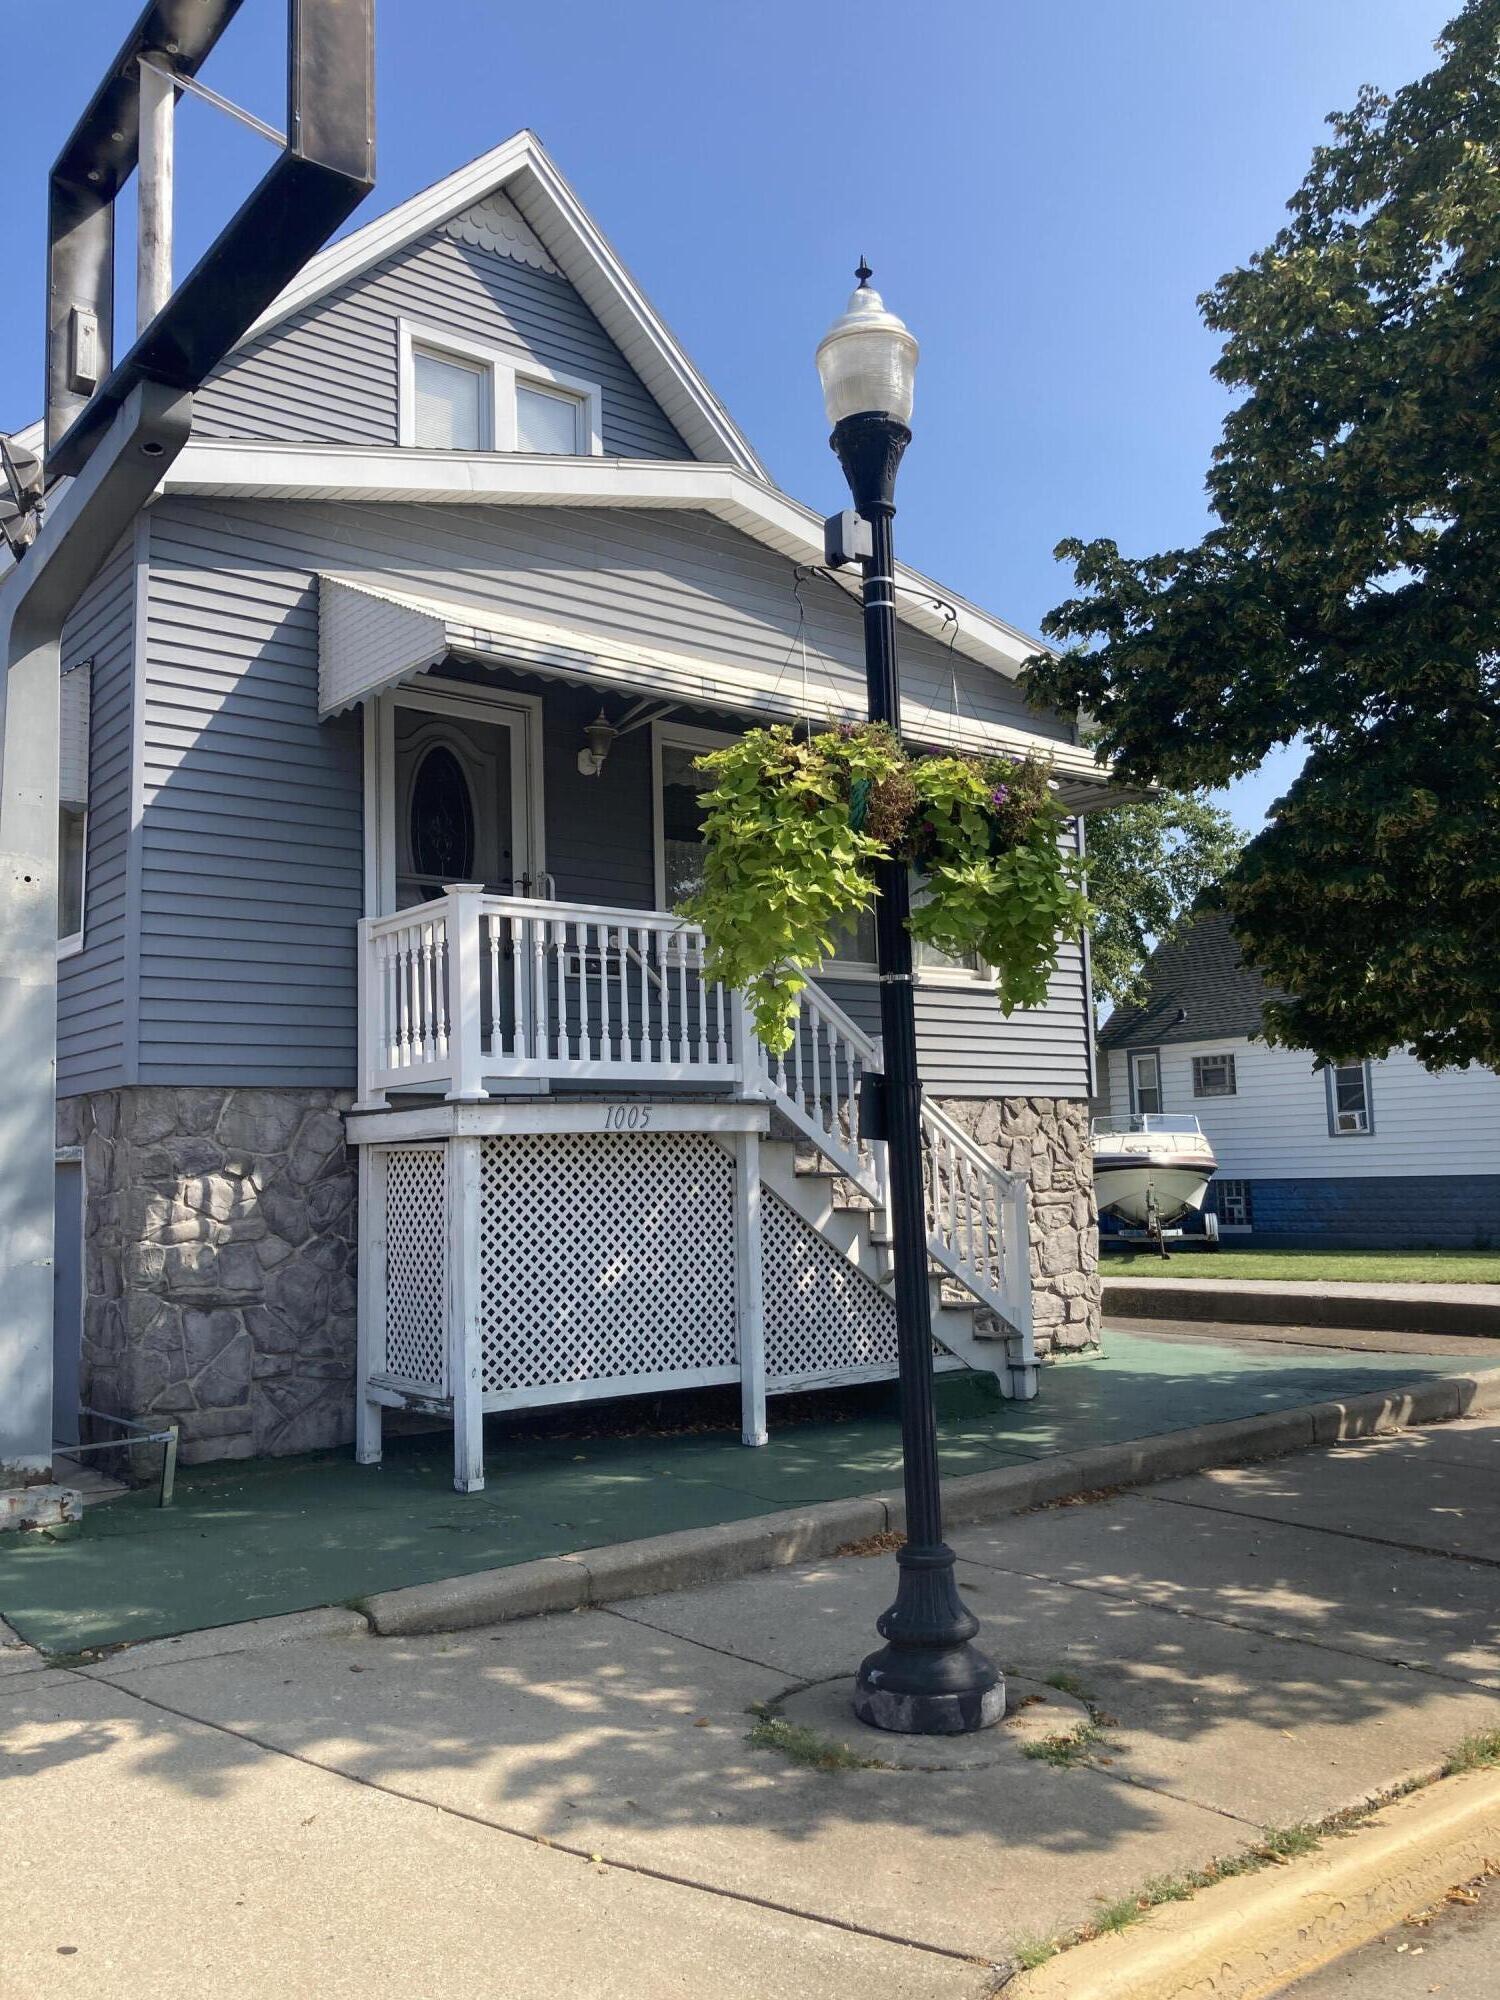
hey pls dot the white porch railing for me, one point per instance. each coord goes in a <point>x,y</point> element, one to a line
<point>815,1085</point>
<point>471,989</point>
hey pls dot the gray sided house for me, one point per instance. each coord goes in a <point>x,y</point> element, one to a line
<point>387,1077</point>
<point>1366,1155</point>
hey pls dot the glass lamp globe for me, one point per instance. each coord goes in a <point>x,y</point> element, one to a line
<point>867,360</point>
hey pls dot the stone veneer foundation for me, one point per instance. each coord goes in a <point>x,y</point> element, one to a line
<point>1047,1139</point>
<point>219,1263</point>
<point>220,1253</point>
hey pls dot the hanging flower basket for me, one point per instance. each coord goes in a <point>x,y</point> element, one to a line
<point>794,828</point>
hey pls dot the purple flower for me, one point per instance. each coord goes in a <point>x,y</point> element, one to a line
<point>999,795</point>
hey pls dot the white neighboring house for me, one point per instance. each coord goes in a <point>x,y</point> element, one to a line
<point>1363,1154</point>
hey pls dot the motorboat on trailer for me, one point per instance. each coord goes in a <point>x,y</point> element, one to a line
<point>1150,1169</point>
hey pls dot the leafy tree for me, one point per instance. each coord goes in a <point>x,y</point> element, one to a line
<point>1349,590</point>
<point>1149,864</point>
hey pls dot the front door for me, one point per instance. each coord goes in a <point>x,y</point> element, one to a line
<point>458,805</point>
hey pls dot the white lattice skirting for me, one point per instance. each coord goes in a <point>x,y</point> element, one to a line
<point>606,1266</point>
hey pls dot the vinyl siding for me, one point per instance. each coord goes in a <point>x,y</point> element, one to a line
<point>252,853</point>
<point>329,374</point>
<point>91,984</point>
<point>1276,1124</point>
<point>683,582</point>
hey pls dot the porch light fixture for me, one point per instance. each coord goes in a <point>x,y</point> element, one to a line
<point>928,1679</point>
<point>598,739</point>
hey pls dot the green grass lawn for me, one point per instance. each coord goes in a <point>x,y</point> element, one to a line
<point>1370,1267</point>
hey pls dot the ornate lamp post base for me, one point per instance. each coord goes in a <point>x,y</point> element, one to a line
<point>928,1680</point>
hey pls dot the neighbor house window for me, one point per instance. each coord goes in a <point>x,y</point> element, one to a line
<point>1233,1199</point>
<point>450,402</point>
<point>1145,1081</point>
<point>1213,1076</point>
<point>1349,1111</point>
<point>456,395</point>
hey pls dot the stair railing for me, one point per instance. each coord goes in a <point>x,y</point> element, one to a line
<point>977,1226</point>
<point>815,1084</point>
<point>976,1221</point>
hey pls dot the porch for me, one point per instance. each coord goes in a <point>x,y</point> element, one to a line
<point>583,1176</point>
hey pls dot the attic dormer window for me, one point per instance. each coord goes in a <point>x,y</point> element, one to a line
<point>549,420</point>
<point>451,399</point>
<point>455,395</point>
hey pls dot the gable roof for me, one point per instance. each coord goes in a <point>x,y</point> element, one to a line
<point>1202,974</point>
<point>523,171</point>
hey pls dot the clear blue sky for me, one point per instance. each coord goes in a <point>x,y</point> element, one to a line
<point>1042,186</point>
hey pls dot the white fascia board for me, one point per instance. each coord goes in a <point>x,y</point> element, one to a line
<point>521,168</point>
<point>598,274</point>
<point>244,468</point>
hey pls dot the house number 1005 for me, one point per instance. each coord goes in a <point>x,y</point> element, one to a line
<point>627,1117</point>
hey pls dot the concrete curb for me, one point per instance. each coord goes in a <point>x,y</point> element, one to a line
<point>1169,1298</point>
<point>1250,1936</point>
<point>767,1541</point>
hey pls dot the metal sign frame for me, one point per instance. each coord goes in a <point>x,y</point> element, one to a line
<point>325,169</point>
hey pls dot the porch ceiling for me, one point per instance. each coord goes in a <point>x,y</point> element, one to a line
<point>371,638</point>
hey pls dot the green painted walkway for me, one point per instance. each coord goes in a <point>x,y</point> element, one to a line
<point>252,1538</point>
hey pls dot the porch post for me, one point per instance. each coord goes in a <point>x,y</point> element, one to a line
<point>749,1291</point>
<point>1020,1352</point>
<point>465,973</point>
<point>370,1031</point>
<point>465,1369</point>
<point>370,1334</point>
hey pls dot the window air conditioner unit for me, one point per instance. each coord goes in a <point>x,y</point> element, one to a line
<point>1351,1121</point>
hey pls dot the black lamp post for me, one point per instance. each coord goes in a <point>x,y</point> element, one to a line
<point>928,1679</point>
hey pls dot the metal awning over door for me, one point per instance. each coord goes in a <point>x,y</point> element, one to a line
<point>371,638</point>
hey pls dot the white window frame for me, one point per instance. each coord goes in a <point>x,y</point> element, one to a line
<point>503,373</point>
<point>1330,1085</point>
<point>1242,1196</point>
<point>1132,1057</point>
<point>1224,1056</point>
<point>72,944</point>
<point>682,736</point>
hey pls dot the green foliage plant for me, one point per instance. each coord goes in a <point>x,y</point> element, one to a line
<point>1347,595</point>
<point>794,827</point>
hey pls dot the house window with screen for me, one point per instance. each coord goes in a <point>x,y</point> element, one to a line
<point>550,420</point>
<point>1213,1076</point>
<point>1233,1199</point>
<point>1145,1082</point>
<point>450,402</point>
<point>1349,1100</point>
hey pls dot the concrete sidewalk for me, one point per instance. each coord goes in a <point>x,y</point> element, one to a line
<point>257,1538</point>
<point>572,1806</point>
